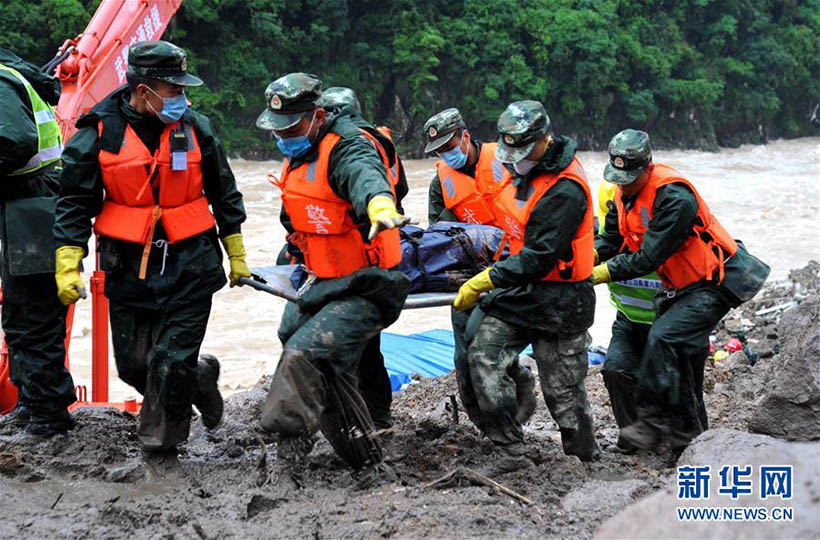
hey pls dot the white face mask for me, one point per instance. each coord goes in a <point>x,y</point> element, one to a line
<point>524,166</point>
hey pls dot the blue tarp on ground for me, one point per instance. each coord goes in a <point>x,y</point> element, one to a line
<point>430,354</point>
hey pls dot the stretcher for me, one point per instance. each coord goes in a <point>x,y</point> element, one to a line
<point>275,280</point>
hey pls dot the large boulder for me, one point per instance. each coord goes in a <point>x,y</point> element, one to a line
<point>791,407</point>
<point>656,515</point>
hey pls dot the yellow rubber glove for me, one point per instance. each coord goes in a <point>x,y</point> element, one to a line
<point>236,256</point>
<point>469,292</point>
<point>595,254</point>
<point>600,274</point>
<point>70,286</point>
<point>383,215</point>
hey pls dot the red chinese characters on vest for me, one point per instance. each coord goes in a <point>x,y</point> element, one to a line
<point>324,229</point>
<point>512,216</point>
<point>703,254</point>
<point>471,199</point>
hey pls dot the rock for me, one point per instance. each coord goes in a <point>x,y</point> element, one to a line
<point>733,325</point>
<point>791,407</point>
<point>722,389</point>
<point>655,516</point>
<point>130,473</point>
<point>738,358</point>
<point>765,350</point>
<point>10,461</point>
<point>607,497</point>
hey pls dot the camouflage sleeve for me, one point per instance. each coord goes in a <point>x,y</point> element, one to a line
<point>218,181</point>
<point>548,236</point>
<point>673,216</point>
<point>357,173</point>
<point>81,190</point>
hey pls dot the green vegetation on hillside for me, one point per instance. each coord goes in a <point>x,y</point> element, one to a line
<point>695,73</point>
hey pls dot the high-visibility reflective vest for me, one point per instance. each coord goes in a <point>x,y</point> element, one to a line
<point>632,297</point>
<point>49,140</point>
<point>324,229</point>
<point>512,216</point>
<point>471,199</point>
<point>701,257</point>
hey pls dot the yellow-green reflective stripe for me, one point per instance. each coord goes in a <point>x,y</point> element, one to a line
<point>49,140</point>
<point>635,302</point>
<point>43,156</point>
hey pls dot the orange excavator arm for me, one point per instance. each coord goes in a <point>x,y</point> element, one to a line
<point>96,59</point>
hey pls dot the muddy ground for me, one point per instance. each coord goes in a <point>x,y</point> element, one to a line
<point>92,484</point>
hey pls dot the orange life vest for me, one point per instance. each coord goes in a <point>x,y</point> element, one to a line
<point>703,253</point>
<point>130,211</point>
<point>324,229</point>
<point>512,215</point>
<point>392,172</point>
<point>471,199</point>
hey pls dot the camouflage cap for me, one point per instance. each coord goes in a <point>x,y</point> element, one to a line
<point>441,127</point>
<point>288,99</point>
<point>337,97</point>
<point>162,61</point>
<point>629,154</point>
<point>520,127</point>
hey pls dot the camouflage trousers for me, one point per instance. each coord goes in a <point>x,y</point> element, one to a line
<point>497,393</point>
<point>315,385</point>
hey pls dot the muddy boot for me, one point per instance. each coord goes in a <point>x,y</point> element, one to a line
<point>391,453</point>
<point>640,435</point>
<point>49,427</point>
<point>506,459</point>
<point>207,399</point>
<point>39,430</point>
<point>161,464</point>
<point>294,449</point>
<point>620,447</point>
<point>17,418</point>
<point>579,439</point>
<point>375,475</point>
<point>524,392</point>
<point>580,444</point>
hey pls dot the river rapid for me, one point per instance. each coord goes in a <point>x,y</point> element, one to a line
<point>766,195</point>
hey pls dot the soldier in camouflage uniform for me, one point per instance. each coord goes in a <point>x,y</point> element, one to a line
<point>461,156</point>
<point>374,381</point>
<point>683,242</point>
<point>325,332</point>
<point>522,307</point>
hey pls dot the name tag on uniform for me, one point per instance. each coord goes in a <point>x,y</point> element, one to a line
<point>179,151</point>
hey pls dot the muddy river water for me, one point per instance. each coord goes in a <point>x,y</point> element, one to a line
<point>768,196</point>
